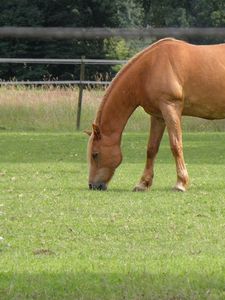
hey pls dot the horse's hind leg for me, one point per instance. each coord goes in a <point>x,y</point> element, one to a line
<point>172,116</point>
<point>156,133</point>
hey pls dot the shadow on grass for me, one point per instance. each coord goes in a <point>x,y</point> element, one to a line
<point>112,189</point>
<point>110,286</point>
<point>109,190</point>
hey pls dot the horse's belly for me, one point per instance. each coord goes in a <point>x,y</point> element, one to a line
<point>204,107</point>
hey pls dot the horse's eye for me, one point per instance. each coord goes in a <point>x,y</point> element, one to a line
<point>95,155</point>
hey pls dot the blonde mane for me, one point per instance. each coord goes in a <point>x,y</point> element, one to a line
<point>122,71</point>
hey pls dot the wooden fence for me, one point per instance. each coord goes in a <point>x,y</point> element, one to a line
<point>63,33</point>
<point>81,82</point>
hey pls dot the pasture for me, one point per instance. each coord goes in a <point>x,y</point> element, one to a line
<point>62,241</point>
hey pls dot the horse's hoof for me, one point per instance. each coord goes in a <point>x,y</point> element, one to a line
<point>139,188</point>
<point>179,188</point>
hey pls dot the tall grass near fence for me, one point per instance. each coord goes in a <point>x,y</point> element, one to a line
<point>55,108</point>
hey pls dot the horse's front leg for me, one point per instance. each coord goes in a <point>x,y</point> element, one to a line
<point>156,133</point>
<point>172,116</point>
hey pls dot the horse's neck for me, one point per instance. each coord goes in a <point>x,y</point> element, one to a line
<point>116,109</point>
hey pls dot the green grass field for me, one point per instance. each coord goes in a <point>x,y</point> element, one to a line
<point>62,241</point>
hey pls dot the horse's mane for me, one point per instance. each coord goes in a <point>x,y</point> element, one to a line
<point>122,71</point>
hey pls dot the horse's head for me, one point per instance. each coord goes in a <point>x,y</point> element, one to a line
<point>104,156</point>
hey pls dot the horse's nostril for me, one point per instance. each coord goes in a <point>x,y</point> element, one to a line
<point>102,187</point>
<point>99,186</point>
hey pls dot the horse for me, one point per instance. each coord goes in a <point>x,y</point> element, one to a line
<point>169,79</point>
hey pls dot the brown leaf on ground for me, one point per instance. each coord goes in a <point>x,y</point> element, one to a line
<point>43,252</point>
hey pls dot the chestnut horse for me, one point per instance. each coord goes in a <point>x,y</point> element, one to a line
<point>168,79</point>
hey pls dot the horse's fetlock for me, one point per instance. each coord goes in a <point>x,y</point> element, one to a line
<point>183,177</point>
<point>147,180</point>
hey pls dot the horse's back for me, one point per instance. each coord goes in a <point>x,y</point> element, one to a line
<point>197,72</point>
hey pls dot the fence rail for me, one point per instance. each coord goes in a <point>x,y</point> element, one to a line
<point>62,33</point>
<point>56,61</point>
<point>55,82</point>
<point>81,82</point>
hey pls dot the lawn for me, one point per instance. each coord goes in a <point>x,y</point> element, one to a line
<point>62,241</point>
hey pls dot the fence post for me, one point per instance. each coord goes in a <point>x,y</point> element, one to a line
<point>79,106</point>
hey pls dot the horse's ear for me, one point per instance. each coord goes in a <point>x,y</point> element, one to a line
<point>88,132</point>
<point>96,131</point>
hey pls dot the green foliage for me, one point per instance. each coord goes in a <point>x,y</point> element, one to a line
<point>94,13</point>
<point>201,13</point>
<point>130,13</point>
<point>122,49</point>
<point>218,18</point>
<point>117,49</point>
<point>52,13</point>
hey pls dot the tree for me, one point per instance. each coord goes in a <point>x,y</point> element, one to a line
<point>94,13</point>
<point>81,13</point>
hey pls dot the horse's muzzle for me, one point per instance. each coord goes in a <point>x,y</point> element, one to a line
<point>98,186</point>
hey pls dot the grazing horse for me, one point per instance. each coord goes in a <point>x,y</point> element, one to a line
<point>168,79</point>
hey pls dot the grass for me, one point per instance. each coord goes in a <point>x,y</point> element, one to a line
<point>54,109</point>
<point>62,241</point>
